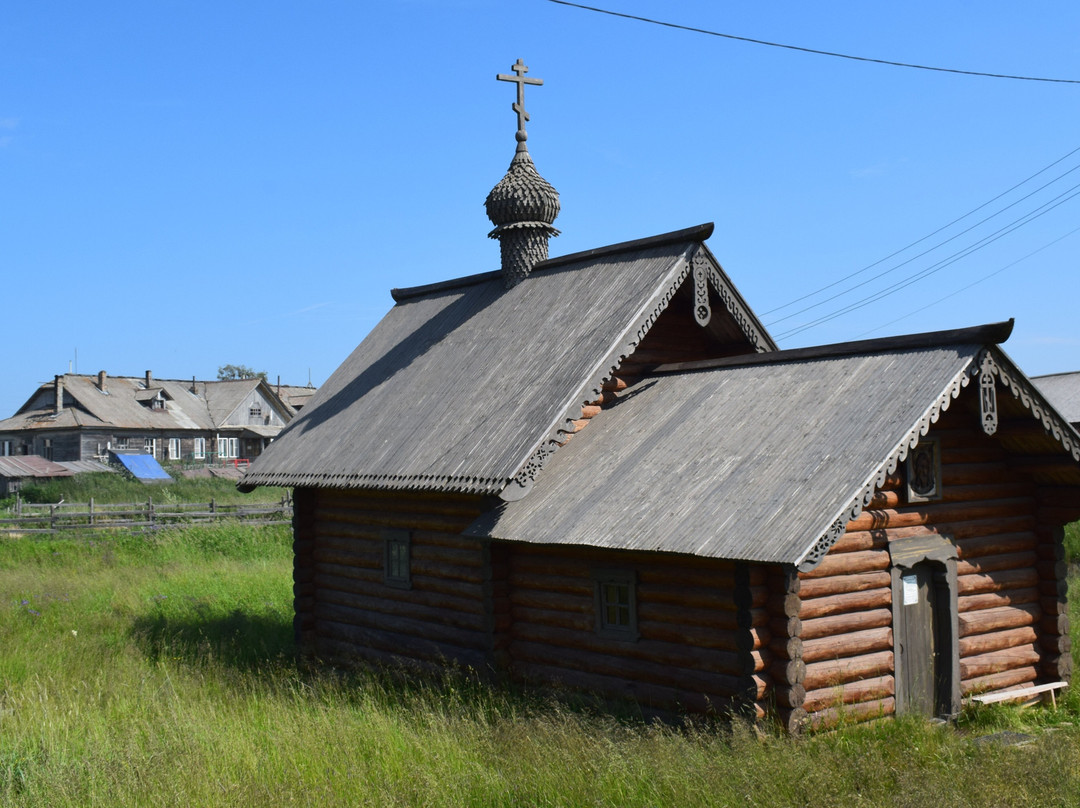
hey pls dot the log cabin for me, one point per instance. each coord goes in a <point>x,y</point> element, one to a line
<point>599,470</point>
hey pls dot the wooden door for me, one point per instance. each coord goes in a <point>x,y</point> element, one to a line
<point>916,641</point>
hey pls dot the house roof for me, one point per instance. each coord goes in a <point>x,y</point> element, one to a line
<point>1063,390</point>
<point>465,384</point>
<point>756,458</point>
<point>31,466</point>
<point>125,404</point>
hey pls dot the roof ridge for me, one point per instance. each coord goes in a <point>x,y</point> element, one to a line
<point>992,333</point>
<point>697,233</point>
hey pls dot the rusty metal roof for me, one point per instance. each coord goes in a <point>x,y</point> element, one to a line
<point>31,466</point>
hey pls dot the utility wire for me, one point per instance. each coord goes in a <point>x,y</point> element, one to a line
<point>810,50</point>
<point>919,241</point>
<point>983,279</point>
<point>931,249</point>
<point>934,268</point>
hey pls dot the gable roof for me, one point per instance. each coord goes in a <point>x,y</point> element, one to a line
<point>1063,390</point>
<point>126,404</point>
<point>464,385</point>
<point>760,458</point>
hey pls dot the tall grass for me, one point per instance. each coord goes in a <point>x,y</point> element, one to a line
<point>161,670</point>
<point>105,487</point>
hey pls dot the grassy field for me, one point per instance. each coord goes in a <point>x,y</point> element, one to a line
<point>160,671</point>
<point>111,488</point>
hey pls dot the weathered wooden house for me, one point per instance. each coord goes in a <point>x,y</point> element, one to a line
<point>79,417</point>
<point>598,469</point>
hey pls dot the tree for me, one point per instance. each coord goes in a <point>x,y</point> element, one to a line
<point>227,372</point>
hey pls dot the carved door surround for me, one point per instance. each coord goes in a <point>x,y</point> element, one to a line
<point>926,644</point>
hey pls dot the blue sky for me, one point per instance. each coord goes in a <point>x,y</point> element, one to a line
<point>189,184</point>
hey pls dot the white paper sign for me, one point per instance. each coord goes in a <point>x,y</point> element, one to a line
<point>911,589</point>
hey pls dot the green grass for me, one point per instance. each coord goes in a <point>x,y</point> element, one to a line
<point>113,488</point>
<point>160,670</point>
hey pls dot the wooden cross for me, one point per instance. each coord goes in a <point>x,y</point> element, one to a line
<point>520,70</point>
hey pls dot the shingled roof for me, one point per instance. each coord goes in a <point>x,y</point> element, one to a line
<point>761,458</point>
<point>1063,390</point>
<point>465,385</point>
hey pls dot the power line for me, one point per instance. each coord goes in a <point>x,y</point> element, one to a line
<point>810,50</point>
<point>971,212</point>
<point>936,246</point>
<point>934,268</point>
<point>983,279</point>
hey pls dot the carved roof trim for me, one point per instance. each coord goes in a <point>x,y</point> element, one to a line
<point>1010,377</point>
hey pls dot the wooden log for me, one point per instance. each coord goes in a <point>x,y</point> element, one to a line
<point>790,696</point>
<point>633,654</point>
<point>335,589</point>
<point>851,713</point>
<point>998,661</point>
<point>1055,644</point>
<point>1052,570</point>
<point>400,629</point>
<point>997,640</point>
<point>786,647</point>
<point>995,544</point>
<point>992,600</point>
<point>848,602</point>
<point>1058,667</point>
<point>1055,623</point>
<point>643,670</point>
<point>853,644</point>
<point>852,693</point>
<point>652,695</point>
<point>849,564</point>
<point>941,513</point>
<point>833,672</point>
<point>842,584</point>
<point>792,721</point>
<point>1053,605</point>
<point>787,671</point>
<point>997,581</point>
<point>859,540</point>
<point>844,623</point>
<point>993,563</point>
<point>973,473</point>
<point>999,681</point>
<point>752,639</point>
<point>1005,617</point>
<point>785,627</point>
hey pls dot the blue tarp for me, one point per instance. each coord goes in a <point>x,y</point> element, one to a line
<point>144,467</point>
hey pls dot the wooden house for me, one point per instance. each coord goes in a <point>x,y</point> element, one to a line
<point>599,470</point>
<point>80,417</point>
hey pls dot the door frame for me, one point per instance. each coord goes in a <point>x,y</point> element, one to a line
<point>940,550</point>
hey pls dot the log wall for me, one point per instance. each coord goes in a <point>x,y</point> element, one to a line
<point>346,610</point>
<point>1012,625</point>
<point>693,650</point>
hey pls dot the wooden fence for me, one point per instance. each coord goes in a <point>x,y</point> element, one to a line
<point>35,518</point>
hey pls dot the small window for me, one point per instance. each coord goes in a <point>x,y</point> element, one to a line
<point>46,449</point>
<point>121,443</point>
<point>199,451</point>
<point>616,604</point>
<point>397,563</point>
<point>924,471</point>
<point>255,411</point>
<point>150,446</point>
<point>174,448</point>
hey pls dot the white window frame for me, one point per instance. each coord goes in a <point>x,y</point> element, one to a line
<point>199,451</point>
<point>150,446</point>
<point>228,448</point>
<point>121,443</point>
<point>174,448</point>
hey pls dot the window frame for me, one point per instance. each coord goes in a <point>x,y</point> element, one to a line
<point>199,450</point>
<point>396,573</point>
<point>620,579</point>
<point>175,449</point>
